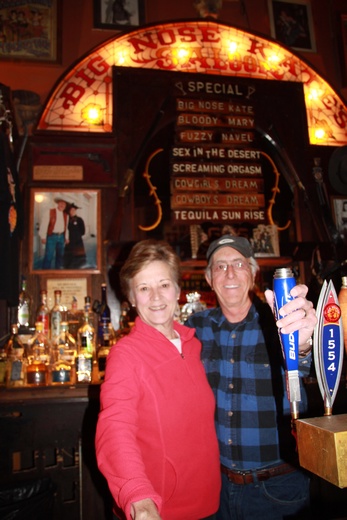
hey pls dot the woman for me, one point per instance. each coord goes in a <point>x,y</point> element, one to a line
<point>74,253</point>
<point>155,439</point>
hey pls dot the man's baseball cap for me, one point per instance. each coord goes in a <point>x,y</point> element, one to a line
<point>241,245</point>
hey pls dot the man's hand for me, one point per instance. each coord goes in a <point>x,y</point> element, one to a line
<point>144,510</point>
<point>298,314</point>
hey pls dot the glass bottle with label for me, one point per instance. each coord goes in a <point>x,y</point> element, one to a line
<point>42,313</point>
<point>104,350</point>
<point>24,306</point>
<point>16,359</point>
<point>85,350</point>
<point>88,308</point>
<point>64,351</point>
<point>57,316</point>
<point>3,365</point>
<point>74,318</point>
<point>104,320</point>
<point>124,320</point>
<point>39,355</point>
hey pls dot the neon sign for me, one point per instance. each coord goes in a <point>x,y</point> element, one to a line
<point>204,47</point>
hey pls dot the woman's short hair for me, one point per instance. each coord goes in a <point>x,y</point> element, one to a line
<point>142,254</point>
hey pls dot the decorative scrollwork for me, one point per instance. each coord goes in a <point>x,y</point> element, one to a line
<point>152,191</point>
<point>274,190</point>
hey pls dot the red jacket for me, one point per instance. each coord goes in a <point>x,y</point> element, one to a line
<point>155,435</point>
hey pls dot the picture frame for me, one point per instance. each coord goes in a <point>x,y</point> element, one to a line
<point>92,164</point>
<point>70,285</point>
<point>30,30</point>
<point>291,23</point>
<point>265,241</point>
<point>339,206</point>
<point>119,14</point>
<point>65,231</point>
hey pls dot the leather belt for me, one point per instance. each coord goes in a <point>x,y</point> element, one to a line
<point>248,477</point>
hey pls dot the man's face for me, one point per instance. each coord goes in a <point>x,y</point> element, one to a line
<point>231,278</point>
<point>61,205</point>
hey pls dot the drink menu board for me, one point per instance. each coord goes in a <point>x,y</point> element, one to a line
<point>215,167</point>
<point>214,134</point>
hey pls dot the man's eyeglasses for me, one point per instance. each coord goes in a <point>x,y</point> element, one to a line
<point>237,265</point>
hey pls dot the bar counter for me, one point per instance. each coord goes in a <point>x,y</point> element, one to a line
<point>49,432</point>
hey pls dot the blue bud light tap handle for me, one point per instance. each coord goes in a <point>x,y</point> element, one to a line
<point>283,282</point>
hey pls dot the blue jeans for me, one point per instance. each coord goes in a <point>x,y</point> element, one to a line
<point>283,497</point>
<point>54,246</point>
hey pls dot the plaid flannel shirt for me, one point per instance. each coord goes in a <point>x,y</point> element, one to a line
<point>244,366</point>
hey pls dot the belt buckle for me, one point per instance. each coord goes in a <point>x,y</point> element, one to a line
<point>244,475</point>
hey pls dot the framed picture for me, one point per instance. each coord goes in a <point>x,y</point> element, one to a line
<point>65,230</point>
<point>118,14</point>
<point>90,163</point>
<point>339,205</point>
<point>71,286</point>
<point>291,24</point>
<point>29,30</point>
<point>265,241</point>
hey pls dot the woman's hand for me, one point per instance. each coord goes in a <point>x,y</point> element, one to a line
<point>298,314</point>
<point>144,510</point>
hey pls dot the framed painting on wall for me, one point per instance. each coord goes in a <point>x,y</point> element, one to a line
<point>29,30</point>
<point>72,286</point>
<point>118,14</point>
<point>65,230</point>
<point>291,24</point>
<point>340,215</point>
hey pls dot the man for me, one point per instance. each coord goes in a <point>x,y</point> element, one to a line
<point>244,364</point>
<point>53,233</point>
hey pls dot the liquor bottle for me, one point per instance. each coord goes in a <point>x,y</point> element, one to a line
<point>342,297</point>
<point>74,318</point>
<point>24,306</point>
<point>64,351</point>
<point>85,350</point>
<point>16,359</point>
<point>57,315</point>
<point>104,350</point>
<point>42,313</point>
<point>39,354</point>
<point>104,320</point>
<point>124,321</point>
<point>3,365</point>
<point>88,308</point>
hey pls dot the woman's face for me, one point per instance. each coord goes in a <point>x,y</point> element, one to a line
<point>154,293</point>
